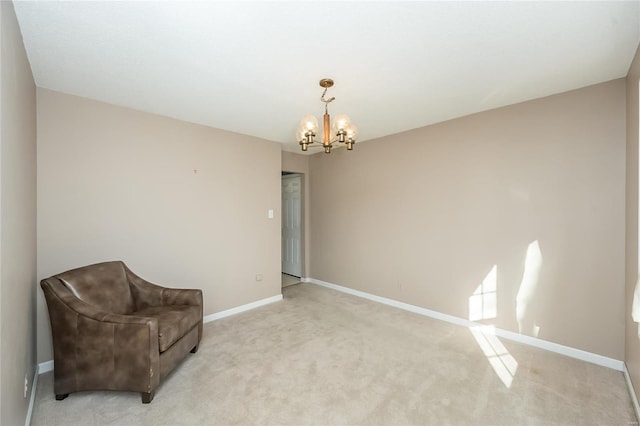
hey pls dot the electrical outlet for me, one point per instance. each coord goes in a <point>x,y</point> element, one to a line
<point>259,277</point>
<point>26,385</point>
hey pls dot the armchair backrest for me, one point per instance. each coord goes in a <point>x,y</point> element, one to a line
<point>103,285</point>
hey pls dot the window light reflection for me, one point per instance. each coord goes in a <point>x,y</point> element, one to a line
<point>483,303</point>
<point>503,363</point>
<point>526,292</point>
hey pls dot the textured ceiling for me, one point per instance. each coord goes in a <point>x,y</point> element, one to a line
<point>254,67</point>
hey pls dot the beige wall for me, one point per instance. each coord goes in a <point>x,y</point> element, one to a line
<point>299,163</point>
<point>17,221</point>
<point>183,205</point>
<point>424,216</point>
<point>632,342</point>
<point>292,162</point>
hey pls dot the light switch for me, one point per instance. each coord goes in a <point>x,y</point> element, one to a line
<point>270,214</point>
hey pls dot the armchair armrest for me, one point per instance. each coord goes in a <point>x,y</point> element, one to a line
<point>182,296</point>
<point>149,294</point>
<point>146,294</point>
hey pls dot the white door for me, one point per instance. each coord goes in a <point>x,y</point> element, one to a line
<point>291,261</point>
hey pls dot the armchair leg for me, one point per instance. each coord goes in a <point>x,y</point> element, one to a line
<point>195,349</point>
<point>147,397</point>
<point>60,397</point>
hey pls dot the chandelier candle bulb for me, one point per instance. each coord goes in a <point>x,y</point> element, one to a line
<point>301,135</point>
<point>352,133</point>
<point>310,123</point>
<point>341,122</point>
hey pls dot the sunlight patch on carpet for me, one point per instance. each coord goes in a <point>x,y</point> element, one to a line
<point>503,363</point>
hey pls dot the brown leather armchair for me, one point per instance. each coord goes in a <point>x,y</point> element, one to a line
<point>112,330</point>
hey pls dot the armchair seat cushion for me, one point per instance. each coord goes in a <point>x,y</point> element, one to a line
<point>173,322</point>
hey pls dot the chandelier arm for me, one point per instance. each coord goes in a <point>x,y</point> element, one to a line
<point>320,144</point>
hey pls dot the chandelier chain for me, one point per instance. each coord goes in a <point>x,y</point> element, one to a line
<point>326,101</point>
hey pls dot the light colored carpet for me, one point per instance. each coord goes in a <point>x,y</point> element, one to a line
<point>321,357</point>
<point>288,280</point>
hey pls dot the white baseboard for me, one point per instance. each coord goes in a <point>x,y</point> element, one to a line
<point>243,308</point>
<point>632,392</point>
<point>510,335</point>
<point>562,349</point>
<point>45,367</point>
<point>32,395</point>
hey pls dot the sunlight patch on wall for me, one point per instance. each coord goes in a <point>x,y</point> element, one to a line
<point>526,292</point>
<point>503,363</point>
<point>483,303</point>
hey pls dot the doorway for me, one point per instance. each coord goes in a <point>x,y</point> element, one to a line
<point>291,228</point>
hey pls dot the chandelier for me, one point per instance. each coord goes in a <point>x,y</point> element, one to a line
<point>343,130</point>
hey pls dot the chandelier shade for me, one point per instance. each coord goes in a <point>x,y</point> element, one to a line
<point>342,130</point>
